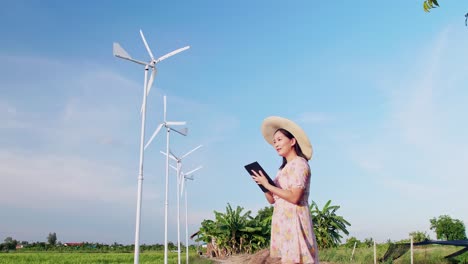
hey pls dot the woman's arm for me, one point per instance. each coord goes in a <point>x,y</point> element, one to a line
<point>293,196</point>
<point>269,197</point>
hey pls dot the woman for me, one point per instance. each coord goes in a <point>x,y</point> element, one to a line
<point>292,234</point>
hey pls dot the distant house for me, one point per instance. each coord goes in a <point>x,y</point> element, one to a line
<point>19,246</point>
<point>73,244</point>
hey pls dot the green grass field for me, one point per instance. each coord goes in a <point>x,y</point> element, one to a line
<point>102,258</point>
<point>422,255</point>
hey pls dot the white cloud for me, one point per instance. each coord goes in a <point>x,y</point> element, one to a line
<point>38,180</point>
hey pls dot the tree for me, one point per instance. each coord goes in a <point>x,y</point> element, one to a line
<point>52,239</point>
<point>265,215</point>
<point>10,243</point>
<point>368,242</point>
<point>419,236</point>
<point>350,242</point>
<point>447,228</point>
<point>328,225</point>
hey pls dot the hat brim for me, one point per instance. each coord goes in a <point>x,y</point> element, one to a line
<point>271,124</point>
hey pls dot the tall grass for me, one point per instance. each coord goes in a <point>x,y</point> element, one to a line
<point>433,254</point>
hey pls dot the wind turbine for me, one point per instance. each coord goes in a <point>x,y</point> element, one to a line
<point>186,177</point>
<point>119,52</point>
<point>179,182</point>
<point>168,125</point>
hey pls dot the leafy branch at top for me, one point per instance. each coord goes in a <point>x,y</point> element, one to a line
<point>429,4</point>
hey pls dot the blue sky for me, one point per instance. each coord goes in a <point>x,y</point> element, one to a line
<point>379,87</point>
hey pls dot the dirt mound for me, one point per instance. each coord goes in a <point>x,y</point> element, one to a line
<point>261,257</point>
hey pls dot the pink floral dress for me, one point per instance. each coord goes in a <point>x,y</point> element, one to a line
<point>292,233</point>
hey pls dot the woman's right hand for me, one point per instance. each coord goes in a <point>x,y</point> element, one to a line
<point>259,178</point>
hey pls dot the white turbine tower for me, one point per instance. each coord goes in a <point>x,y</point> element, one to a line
<point>119,52</point>
<point>179,182</point>
<point>168,125</point>
<point>185,176</point>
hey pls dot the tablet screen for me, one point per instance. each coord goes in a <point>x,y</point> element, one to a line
<point>256,167</point>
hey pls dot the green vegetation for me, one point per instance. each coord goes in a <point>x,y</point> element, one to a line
<point>447,228</point>
<point>429,4</point>
<point>52,239</point>
<point>419,236</point>
<point>433,254</point>
<point>237,232</point>
<point>102,258</point>
<point>328,225</point>
<point>340,255</point>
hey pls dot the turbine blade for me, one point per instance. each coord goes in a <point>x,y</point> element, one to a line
<point>182,186</point>
<point>173,167</point>
<point>180,173</point>
<point>171,54</point>
<point>170,155</point>
<point>154,135</point>
<point>119,52</point>
<point>146,45</point>
<point>192,171</point>
<point>183,132</point>
<point>170,152</point>
<point>188,153</point>
<point>176,123</point>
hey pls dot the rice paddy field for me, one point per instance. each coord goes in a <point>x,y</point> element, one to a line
<point>102,258</point>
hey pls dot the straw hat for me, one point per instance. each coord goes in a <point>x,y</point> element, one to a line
<point>271,124</point>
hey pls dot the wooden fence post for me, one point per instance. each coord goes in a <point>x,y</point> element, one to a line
<point>352,254</point>
<point>411,249</point>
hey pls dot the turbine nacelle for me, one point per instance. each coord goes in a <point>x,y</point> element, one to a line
<point>120,52</point>
<point>185,176</point>
<point>181,177</point>
<point>168,125</point>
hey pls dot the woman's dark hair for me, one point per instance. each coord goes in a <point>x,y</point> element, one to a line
<point>297,148</point>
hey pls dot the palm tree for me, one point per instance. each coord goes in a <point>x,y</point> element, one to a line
<point>328,225</point>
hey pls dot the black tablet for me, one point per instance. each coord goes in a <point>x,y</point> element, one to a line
<point>256,167</point>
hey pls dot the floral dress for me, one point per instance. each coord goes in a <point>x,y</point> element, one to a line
<point>292,233</point>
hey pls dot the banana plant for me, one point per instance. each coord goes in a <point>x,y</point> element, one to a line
<point>328,225</point>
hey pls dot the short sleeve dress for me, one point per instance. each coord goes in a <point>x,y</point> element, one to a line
<point>292,233</point>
